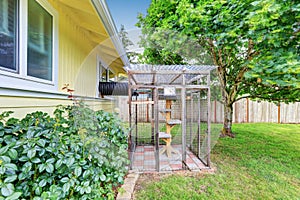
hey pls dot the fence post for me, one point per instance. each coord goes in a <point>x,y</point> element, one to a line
<point>147,111</point>
<point>247,110</point>
<point>278,116</point>
<point>215,105</point>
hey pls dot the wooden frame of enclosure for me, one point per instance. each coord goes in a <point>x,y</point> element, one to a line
<point>154,78</point>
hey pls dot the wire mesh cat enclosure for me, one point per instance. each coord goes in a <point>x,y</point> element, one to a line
<point>169,116</point>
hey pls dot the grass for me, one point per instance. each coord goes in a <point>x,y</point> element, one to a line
<point>262,162</point>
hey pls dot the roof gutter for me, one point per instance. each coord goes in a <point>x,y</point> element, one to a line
<point>106,18</point>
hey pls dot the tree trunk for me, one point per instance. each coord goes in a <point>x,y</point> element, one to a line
<point>227,124</point>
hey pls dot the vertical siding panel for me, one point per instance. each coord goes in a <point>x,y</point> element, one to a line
<point>77,61</point>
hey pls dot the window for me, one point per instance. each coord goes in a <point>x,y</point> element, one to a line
<point>105,74</point>
<point>39,43</point>
<point>28,44</point>
<point>8,35</point>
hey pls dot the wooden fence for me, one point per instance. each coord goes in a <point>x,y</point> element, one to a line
<point>244,111</point>
<point>247,111</point>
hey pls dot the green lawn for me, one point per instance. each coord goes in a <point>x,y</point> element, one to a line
<point>262,162</point>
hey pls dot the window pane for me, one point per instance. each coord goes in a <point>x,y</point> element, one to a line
<point>103,74</point>
<point>40,37</point>
<point>8,34</point>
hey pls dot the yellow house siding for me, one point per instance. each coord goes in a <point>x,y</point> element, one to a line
<point>76,66</point>
<point>85,82</point>
<point>24,105</point>
<point>81,37</point>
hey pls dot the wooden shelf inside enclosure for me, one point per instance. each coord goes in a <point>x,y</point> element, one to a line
<point>165,110</point>
<point>173,122</point>
<point>162,135</point>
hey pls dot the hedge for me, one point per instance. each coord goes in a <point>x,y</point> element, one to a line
<point>75,154</point>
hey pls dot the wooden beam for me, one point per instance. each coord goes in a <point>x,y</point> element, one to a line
<point>183,121</point>
<point>194,79</point>
<point>137,102</point>
<point>100,31</point>
<point>199,126</point>
<point>153,79</point>
<point>108,48</point>
<point>176,86</point>
<point>130,124</point>
<point>156,128</point>
<point>170,72</point>
<point>175,78</point>
<point>208,123</point>
<point>132,77</point>
<point>86,20</point>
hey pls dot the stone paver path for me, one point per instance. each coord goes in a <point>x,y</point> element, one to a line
<point>144,160</point>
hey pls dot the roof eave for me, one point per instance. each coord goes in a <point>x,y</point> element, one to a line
<point>105,16</point>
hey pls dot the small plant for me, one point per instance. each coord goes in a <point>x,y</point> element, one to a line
<point>70,91</point>
<point>76,154</point>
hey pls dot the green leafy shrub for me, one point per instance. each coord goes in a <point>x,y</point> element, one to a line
<point>76,154</point>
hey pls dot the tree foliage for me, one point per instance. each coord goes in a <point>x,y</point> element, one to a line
<point>123,34</point>
<point>124,37</point>
<point>166,46</point>
<point>255,44</point>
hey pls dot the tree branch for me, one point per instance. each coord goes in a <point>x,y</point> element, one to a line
<point>220,69</point>
<point>250,52</point>
<point>243,97</point>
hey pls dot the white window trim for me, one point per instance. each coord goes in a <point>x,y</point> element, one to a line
<point>20,79</point>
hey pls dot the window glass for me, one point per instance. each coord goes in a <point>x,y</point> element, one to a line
<point>8,34</point>
<point>111,76</point>
<point>104,73</point>
<point>40,36</point>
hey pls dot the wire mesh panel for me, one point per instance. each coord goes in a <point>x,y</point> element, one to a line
<point>197,124</point>
<point>142,118</point>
